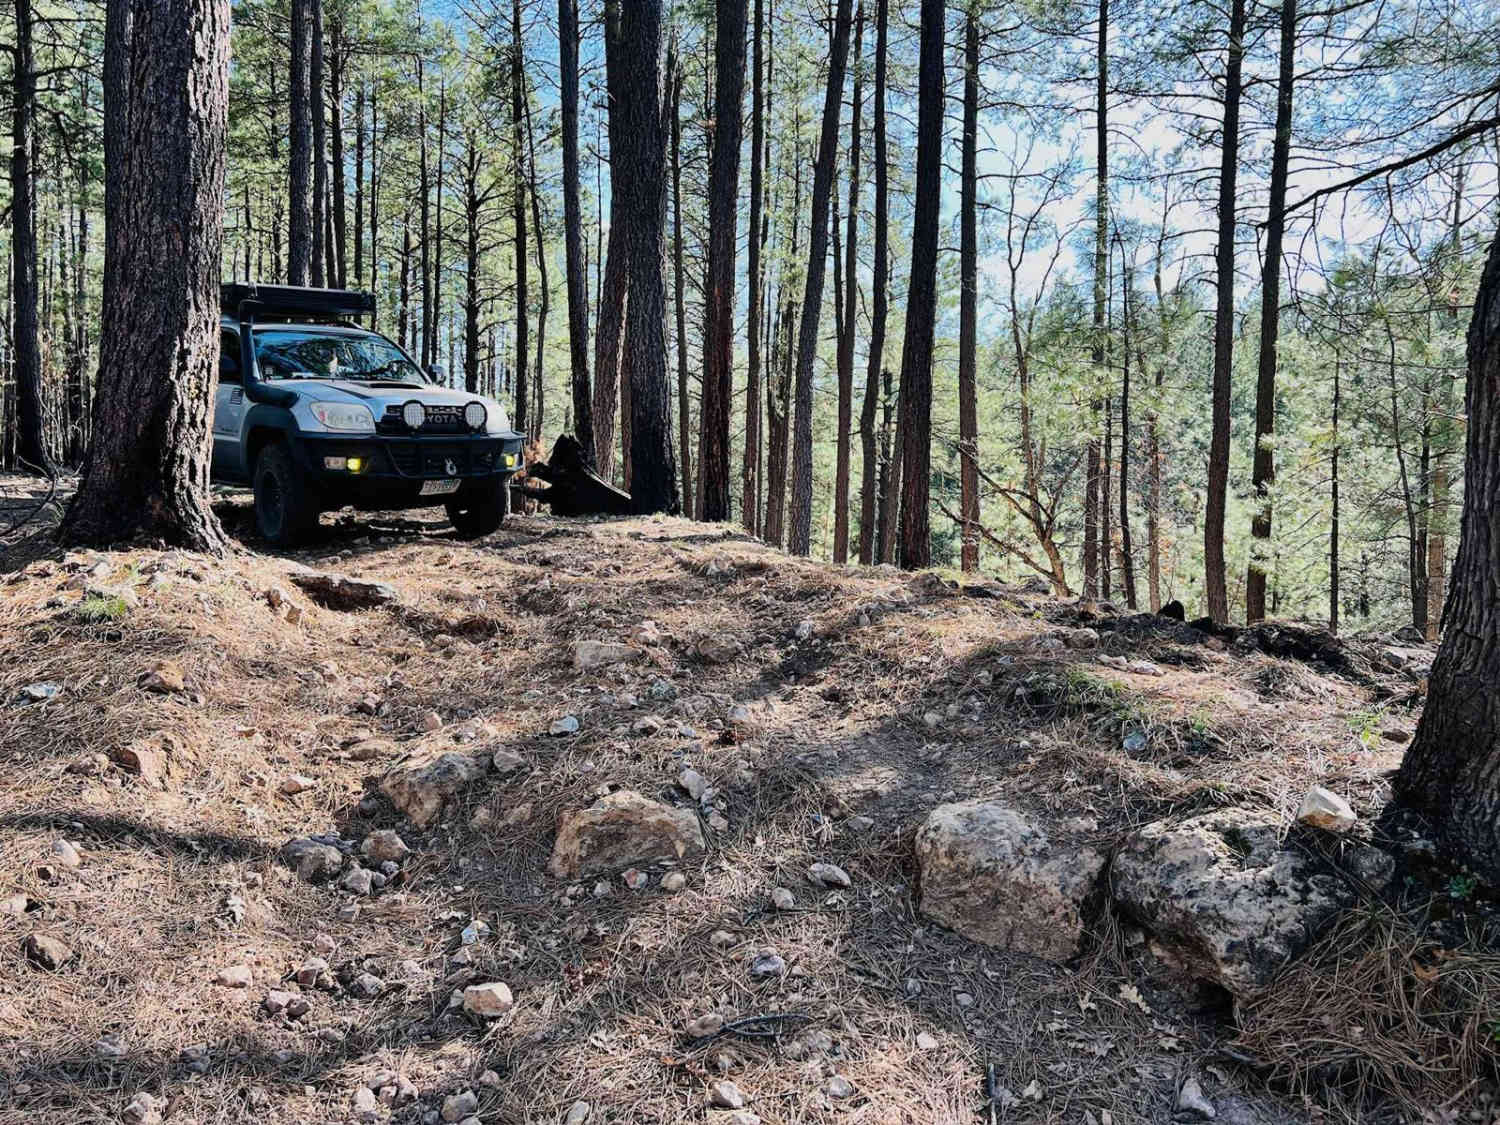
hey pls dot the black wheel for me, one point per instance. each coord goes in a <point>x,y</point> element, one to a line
<point>480,509</point>
<point>286,506</point>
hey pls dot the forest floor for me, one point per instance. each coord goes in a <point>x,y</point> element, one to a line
<point>872,696</point>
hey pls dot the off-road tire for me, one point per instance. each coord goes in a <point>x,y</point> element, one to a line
<point>286,505</point>
<point>480,509</point>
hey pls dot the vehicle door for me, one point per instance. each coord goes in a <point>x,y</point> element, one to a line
<point>229,411</point>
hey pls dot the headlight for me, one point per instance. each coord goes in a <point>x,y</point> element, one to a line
<point>475,415</point>
<point>413,414</point>
<point>497,423</point>
<point>347,416</point>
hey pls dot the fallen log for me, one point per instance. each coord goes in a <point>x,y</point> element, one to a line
<point>573,488</point>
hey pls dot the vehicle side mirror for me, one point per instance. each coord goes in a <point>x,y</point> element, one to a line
<point>436,373</point>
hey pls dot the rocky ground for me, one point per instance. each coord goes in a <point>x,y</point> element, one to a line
<point>645,821</point>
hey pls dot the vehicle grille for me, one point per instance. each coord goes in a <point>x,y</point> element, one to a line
<point>417,458</point>
<point>440,420</point>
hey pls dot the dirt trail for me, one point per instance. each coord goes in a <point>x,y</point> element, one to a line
<point>867,696</point>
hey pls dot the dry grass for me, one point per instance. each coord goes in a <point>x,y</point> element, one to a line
<point>606,985</point>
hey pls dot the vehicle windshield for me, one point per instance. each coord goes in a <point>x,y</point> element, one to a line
<point>307,353</point>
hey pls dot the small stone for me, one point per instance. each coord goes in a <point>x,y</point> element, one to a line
<point>144,1109</point>
<point>721,939</point>
<point>66,854</point>
<point>276,1001</point>
<point>488,1000</point>
<point>506,762</point>
<point>692,782</point>
<point>432,721</point>
<point>1144,668</point>
<point>602,889</point>
<point>1325,809</point>
<point>726,1095</point>
<point>296,783</point>
<point>458,1106</point>
<point>366,986</point>
<point>588,655</point>
<point>767,965</point>
<point>828,874</point>
<point>164,678</point>
<point>564,726</point>
<point>804,629</point>
<point>46,952</point>
<point>111,1046</point>
<point>324,943</point>
<point>384,845</point>
<point>705,1025</point>
<point>311,859</point>
<point>371,749</point>
<point>578,1114</point>
<point>783,899</point>
<point>926,1041</point>
<point>636,879</point>
<point>36,693</point>
<point>364,1104</point>
<point>673,881</point>
<point>840,1087</point>
<point>718,648</point>
<point>313,973</point>
<point>357,881</point>
<point>490,1079</point>
<point>739,715</point>
<point>349,912</point>
<point>663,691</point>
<point>234,976</point>
<point>646,725</point>
<point>1190,1099</point>
<point>15,905</point>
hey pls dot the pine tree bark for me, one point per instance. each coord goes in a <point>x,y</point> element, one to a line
<point>31,445</point>
<point>1333,498</point>
<point>317,274</point>
<point>634,38</point>
<point>1214,582</point>
<point>888,536</point>
<point>518,217</point>
<point>880,283</point>
<point>1264,469</point>
<point>1451,772</point>
<point>723,222</point>
<point>147,470</point>
<point>1093,507</point>
<point>299,177</point>
<point>1127,553</point>
<point>968,301</point>
<point>799,538</point>
<point>750,465</point>
<point>679,285</point>
<point>577,272</point>
<point>339,275</point>
<point>921,304</point>
<point>614,286</point>
<point>851,303</point>
<point>359,182</point>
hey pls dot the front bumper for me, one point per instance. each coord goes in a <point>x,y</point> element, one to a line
<point>392,469</point>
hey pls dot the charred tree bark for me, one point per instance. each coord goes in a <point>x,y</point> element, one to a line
<point>31,444</point>
<point>147,469</point>
<point>880,284</point>
<point>1214,584</point>
<point>968,303</point>
<point>921,306</point>
<point>577,272</point>
<point>723,222</point>
<point>1451,772</point>
<point>1264,470</point>
<point>299,95</point>
<point>799,539</point>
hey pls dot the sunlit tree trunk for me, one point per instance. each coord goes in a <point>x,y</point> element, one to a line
<point>869,463</point>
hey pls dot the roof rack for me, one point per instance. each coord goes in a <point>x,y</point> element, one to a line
<point>237,298</point>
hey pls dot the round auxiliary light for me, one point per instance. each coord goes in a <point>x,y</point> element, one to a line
<point>413,414</point>
<point>475,415</point>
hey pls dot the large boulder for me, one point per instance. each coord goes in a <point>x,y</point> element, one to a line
<point>623,830</point>
<point>991,874</point>
<point>1224,898</point>
<point>421,786</point>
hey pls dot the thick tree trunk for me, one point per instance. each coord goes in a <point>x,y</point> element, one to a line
<point>921,304</point>
<point>472,202</point>
<point>1452,770</point>
<point>614,286</point>
<point>1214,583</point>
<point>850,311</point>
<point>1264,470</point>
<point>436,316</point>
<point>359,182</point>
<point>880,283</point>
<point>577,271</point>
<point>340,273</point>
<point>1153,435</point>
<point>1093,506</point>
<point>299,185</point>
<point>424,216</point>
<point>968,302</point>
<point>31,445</point>
<point>518,217</point>
<point>1127,555</point>
<point>634,38</point>
<point>544,294</point>
<point>778,429</point>
<point>317,273</point>
<point>723,222</point>
<point>147,469</point>
<point>799,539</point>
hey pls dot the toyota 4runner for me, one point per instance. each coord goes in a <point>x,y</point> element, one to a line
<point>315,413</point>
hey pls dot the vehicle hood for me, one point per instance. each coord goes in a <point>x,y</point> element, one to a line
<point>379,395</point>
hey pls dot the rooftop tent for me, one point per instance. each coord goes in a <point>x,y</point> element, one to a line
<point>238,298</point>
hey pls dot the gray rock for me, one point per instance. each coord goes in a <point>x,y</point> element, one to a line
<point>312,860</point>
<point>421,787</point>
<point>996,878</point>
<point>1325,809</point>
<point>783,899</point>
<point>143,1109</point>
<point>563,727</point>
<point>458,1106</point>
<point>578,1113</point>
<point>357,881</point>
<point>726,1095</point>
<point>840,1087</point>
<point>488,1001</point>
<point>46,952</point>
<point>507,762</point>
<point>692,782</point>
<point>828,875</point>
<point>66,853</point>
<point>766,965</point>
<point>599,654</point>
<point>622,830</point>
<point>366,986</point>
<point>1222,896</point>
<point>384,845</point>
<point>234,976</point>
<point>1191,1099</point>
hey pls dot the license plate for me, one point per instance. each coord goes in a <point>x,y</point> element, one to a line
<point>438,488</point>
